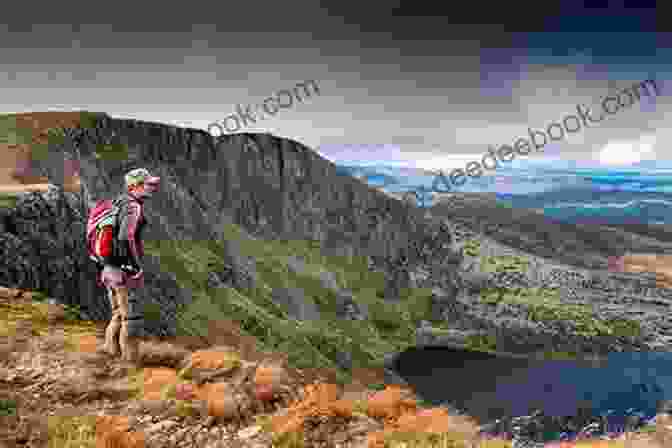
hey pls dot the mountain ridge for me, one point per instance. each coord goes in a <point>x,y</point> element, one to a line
<point>268,186</point>
<point>263,231</point>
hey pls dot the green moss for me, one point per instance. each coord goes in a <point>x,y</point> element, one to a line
<point>7,407</point>
<point>529,296</point>
<point>472,248</point>
<point>40,151</point>
<point>152,312</point>
<point>73,313</point>
<point>12,134</point>
<point>113,152</point>
<point>8,200</point>
<point>56,136</point>
<point>559,355</point>
<point>310,344</point>
<point>625,328</point>
<point>39,296</point>
<point>544,305</point>
<point>504,263</point>
<point>585,323</point>
<point>89,119</point>
<point>318,343</point>
<point>481,343</point>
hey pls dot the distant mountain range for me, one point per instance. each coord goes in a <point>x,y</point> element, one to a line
<point>639,194</point>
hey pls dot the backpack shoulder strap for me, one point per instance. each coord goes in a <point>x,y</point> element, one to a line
<point>123,202</point>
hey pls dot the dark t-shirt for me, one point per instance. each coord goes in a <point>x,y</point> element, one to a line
<point>129,249</point>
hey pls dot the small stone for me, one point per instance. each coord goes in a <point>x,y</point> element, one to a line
<point>160,427</point>
<point>154,407</point>
<point>180,434</point>
<point>210,421</point>
<point>249,432</point>
<point>200,438</point>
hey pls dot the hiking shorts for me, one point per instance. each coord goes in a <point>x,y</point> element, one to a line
<point>114,277</point>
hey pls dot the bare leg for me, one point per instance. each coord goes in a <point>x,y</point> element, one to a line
<point>129,343</point>
<point>112,331</point>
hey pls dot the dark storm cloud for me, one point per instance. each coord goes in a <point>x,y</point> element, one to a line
<point>437,78</point>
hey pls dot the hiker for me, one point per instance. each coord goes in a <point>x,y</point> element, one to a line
<point>116,246</point>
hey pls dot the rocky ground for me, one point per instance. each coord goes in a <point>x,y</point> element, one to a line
<point>579,245</point>
<point>59,390</point>
<point>615,296</point>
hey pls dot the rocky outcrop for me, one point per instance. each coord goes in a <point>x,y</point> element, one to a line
<point>271,187</point>
<point>43,245</point>
<point>268,185</point>
<point>584,246</point>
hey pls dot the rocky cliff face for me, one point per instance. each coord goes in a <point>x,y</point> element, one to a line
<point>272,187</point>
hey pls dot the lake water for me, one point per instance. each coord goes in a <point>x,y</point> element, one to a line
<point>488,386</point>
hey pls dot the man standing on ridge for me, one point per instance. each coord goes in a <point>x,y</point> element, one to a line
<point>122,273</point>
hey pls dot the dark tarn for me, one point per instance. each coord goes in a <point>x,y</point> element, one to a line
<point>540,400</point>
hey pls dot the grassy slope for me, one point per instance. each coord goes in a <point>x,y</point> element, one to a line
<point>544,304</point>
<point>391,326</point>
<point>309,344</point>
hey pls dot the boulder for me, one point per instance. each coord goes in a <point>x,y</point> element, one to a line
<point>444,305</point>
<point>294,301</point>
<point>390,403</point>
<point>347,306</point>
<point>329,281</point>
<point>217,362</point>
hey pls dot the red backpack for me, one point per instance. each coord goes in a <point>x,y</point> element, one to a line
<point>101,229</point>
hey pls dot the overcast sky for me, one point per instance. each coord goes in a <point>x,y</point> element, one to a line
<point>398,80</point>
